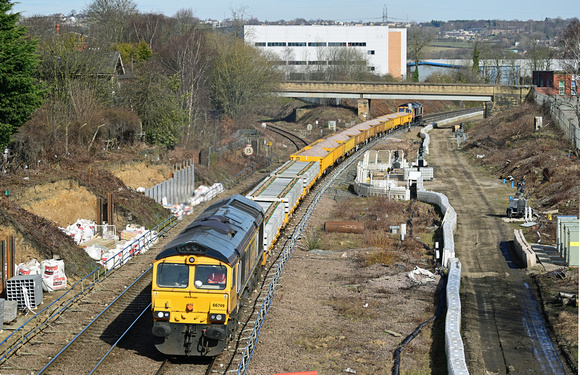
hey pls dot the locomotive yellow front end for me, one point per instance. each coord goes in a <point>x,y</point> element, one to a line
<point>200,276</point>
<point>191,305</point>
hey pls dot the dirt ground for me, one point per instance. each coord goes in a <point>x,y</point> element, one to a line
<point>64,201</point>
<point>336,314</point>
<point>346,301</point>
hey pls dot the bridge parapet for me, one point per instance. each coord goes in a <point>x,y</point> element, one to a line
<point>500,94</point>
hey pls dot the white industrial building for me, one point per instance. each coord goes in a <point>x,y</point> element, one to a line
<point>304,46</point>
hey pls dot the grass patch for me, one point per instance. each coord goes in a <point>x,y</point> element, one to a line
<point>311,240</point>
<point>382,256</point>
<point>342,241</point>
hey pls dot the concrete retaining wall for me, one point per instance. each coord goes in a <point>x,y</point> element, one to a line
<point>468,116</point>
<point>449,222</point>
<point>426,139</point>
<point>523,249</point>
<point>367,190</point>
<point>456,364</point>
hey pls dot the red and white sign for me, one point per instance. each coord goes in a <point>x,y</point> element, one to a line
<point>248,150</point>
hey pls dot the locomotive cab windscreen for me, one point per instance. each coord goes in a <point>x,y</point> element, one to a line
<point>174,275</point>
<point>210,277</point>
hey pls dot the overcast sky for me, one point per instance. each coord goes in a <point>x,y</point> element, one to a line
<point>338,10</point>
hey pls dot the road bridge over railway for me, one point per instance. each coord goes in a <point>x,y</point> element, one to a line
<point>365,91</point>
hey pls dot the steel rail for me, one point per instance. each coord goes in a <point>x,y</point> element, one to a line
<point>162,367</point>
<point>446,115</point>
<point>94,320</point>
<point>287,251</point>
<point>288,135</point>
<point>119,339</point>
<point>58,306</point>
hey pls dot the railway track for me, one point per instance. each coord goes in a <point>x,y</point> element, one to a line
<point>445,115</point>
<point>47,341</point>
<point>238,355</point>
<point>172,366</point>
<point>493,290</point>
<point>34,354</point>
<point>101,335</point>
<point>34,348</point>
<point>298,142</point>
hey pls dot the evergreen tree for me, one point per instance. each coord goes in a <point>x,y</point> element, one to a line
<point>475,59</point>
<point>19,94</point>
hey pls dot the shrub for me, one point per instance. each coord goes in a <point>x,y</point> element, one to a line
<point>382,256</point>
<point>311,240</point>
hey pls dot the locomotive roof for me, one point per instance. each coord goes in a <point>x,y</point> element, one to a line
<point>412,104</point>
<point>222,231</point>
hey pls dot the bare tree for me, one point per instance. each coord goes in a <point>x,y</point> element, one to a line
<point>184,21</point>
<point>494,58</point>
<point>238,22</point>
<point>346,64</point>
<point>539,56</point>
<point>569,47</point>
<point>570,51</point>
<point>240,76</point>
<point>108,20</point>
<point>155,98</point>
<point>147,27</point>
<point>44,28</point>
<point>417,40</point>
<point>188,56</point>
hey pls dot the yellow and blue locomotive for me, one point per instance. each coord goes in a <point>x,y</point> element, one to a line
<point>414,108</point>
<point>200,276</point>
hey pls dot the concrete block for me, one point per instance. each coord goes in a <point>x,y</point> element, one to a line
<point>10,310</point>
<point>523,249</point>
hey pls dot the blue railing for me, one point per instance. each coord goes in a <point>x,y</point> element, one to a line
<point>50,312</point>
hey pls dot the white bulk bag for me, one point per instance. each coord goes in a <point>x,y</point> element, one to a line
<point>31,267</point>
<point>53,276</point>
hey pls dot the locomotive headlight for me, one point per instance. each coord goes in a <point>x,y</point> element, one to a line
<point>217,317</point>
<point>164,315</point>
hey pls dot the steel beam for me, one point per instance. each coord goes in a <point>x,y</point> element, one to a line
<point>341,95</point>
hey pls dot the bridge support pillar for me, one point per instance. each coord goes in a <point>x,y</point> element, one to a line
<point>364,108</point>
<point>487,109</point>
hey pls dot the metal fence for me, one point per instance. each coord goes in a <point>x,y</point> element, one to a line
<point>46,316</point>
<point>565,112</point>
<point>177,189</point>
<point>242,137</point>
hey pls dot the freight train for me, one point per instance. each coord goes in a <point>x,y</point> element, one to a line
<point>200,278</point>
